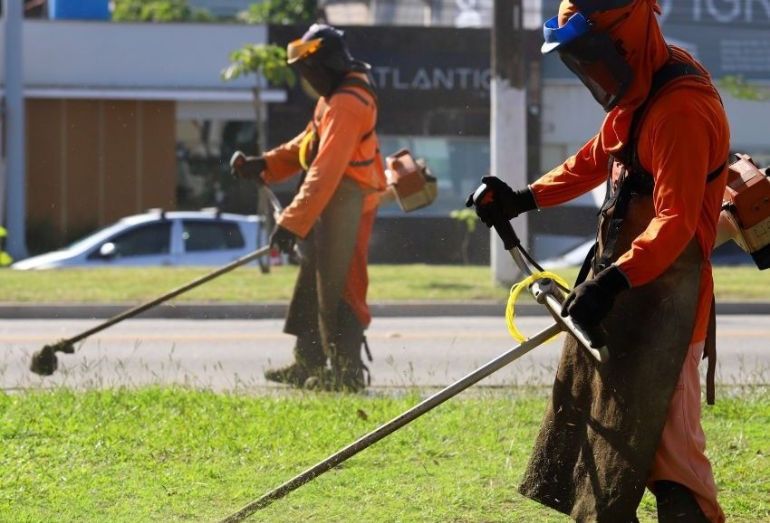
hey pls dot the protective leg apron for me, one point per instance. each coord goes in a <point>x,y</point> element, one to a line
<point>596,445</point>
<point>318,316</point>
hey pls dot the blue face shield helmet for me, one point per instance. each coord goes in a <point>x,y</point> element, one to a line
<point>592,56</point>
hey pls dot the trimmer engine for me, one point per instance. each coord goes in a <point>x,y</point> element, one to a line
<point>414,185</point>
<point>745,216</point>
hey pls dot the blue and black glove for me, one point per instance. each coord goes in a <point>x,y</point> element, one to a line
<point>283,239</point>
<point>590,302</point>
<point>494,199</point>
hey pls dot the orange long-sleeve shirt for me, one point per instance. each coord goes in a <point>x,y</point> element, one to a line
<point>347,146</point>
<point>684,136</point>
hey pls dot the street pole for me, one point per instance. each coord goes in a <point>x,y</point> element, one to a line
<point>2,161</point>
<point>509,119</point>
<point>15,190</point>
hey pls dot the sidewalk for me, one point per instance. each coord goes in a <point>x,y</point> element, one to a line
<point>277,310</point>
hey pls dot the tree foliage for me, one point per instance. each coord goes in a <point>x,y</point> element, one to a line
<point>158,11</point>
<point>281,12</point>
<point>468,218</point>
<point>738,87</point>
<point>266,60</point>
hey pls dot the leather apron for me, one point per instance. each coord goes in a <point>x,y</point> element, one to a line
<point>596,444</point>
<point>317,314</point>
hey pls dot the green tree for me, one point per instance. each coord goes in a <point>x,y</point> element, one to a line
<point>738,87</point>
<point>468,219</point>
<point>281,12</point>
<point>158,11</point>
<point>268,64</point>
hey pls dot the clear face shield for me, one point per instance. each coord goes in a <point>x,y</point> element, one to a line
<point>592,56</point>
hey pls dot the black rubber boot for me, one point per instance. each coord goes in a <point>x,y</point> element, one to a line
<point>676,504</point>
<point>347,367</point>
<point>309,361</point>
<point>343,377</point>
<point>295,374</point>
<point>349,374</point>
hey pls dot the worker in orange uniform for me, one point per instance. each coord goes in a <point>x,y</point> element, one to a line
<point>646,289</point>
<point>331,216</point>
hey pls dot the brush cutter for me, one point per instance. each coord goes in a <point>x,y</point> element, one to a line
<point>45,363</point>
<point>545,291</point>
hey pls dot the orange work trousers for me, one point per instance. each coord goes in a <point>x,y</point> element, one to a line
<point>681,453</point>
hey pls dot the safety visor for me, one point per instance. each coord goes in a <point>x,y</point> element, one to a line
<point>596,61</point>
<point>299,49</point>
<point>555,37</point>
<point>592,56</point>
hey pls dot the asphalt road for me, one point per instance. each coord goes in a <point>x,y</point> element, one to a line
<point>232,354</point>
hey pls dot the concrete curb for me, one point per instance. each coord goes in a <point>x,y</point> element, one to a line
<point>277,310</point>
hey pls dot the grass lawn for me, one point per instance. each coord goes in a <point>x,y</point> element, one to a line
<point>248,285</point>
<point>183,455</point>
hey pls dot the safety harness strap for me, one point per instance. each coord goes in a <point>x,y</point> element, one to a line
<point>309,147</point>
<point>710,352</point>
<point>634,179</point>
<point>357,82</point>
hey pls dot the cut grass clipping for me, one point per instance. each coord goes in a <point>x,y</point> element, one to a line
<point>248,285</point>
<point>183,455</point>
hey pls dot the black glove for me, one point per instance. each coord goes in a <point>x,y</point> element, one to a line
<point>503,203</point>
<point>247,167</point>
<point>284,239</point>
<point>589,302</point>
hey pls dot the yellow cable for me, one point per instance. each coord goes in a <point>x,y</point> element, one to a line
<point>510,313</point>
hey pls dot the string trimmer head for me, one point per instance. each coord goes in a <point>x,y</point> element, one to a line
<point>44,361</point>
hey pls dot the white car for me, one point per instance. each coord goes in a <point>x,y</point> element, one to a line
<point>156,237</point>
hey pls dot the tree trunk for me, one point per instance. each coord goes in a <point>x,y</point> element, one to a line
<point>264,207</point>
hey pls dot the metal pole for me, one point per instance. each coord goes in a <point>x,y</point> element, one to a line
<point>15,190</point>
<point>3,172</point>
<point>509,118</point>
<point>396,423</point>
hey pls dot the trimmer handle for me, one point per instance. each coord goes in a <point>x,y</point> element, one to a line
<point>237,159</point>
<point>485,196</point>
<point>506,233</point>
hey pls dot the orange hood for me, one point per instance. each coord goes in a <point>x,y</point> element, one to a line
<point>635,30</point>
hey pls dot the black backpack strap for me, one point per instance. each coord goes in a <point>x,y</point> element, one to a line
<point>713,175</point>
<point>586,266</point>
